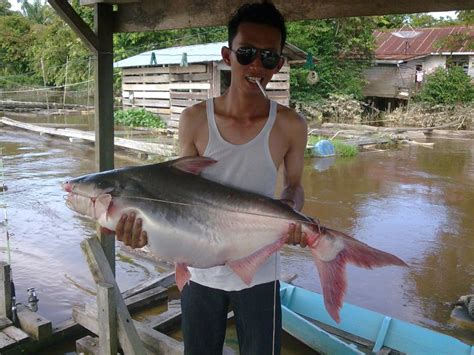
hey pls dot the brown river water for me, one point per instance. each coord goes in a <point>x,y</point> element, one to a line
<point>414,202</point>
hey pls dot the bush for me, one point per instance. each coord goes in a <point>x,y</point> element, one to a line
<point>138,117</point>
<point>447,86</point>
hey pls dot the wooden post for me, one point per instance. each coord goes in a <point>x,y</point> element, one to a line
<point>102,273</point>
<point>107,319</point>
<point>5,290</point>
<point>104,106</point>
<point>44,83</point>
<point>65,82</point>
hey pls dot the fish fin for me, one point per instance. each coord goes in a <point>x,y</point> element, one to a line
<point>182,275</point>
<point>248,266</point>
<point>332,250</point>
<point>102,204</point>
<point>193,165</point>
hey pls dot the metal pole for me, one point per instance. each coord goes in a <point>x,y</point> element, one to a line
<point>65,82</point>
<point>44,83</point>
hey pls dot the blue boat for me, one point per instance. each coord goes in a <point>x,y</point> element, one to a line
<point>360,331</point>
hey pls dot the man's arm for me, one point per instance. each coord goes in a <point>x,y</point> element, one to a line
<point>293,192</point>
<point>186,134</point>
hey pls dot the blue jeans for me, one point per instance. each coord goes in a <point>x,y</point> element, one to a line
<point>204,319</point>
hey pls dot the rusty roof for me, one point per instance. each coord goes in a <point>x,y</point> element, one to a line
<point>391,47</point>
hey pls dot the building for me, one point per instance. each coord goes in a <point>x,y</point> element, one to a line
<point>166,81</point>
<point>401,53</point>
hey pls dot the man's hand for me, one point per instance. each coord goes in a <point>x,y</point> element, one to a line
<point>129,231</point>
<point>296,236</point>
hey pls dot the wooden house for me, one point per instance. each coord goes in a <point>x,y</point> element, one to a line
<point>166,81</point>
<point>400,53</point>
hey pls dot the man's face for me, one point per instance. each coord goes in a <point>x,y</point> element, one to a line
<point>262,37</point>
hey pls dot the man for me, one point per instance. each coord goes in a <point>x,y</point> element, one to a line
<point>250,137</point>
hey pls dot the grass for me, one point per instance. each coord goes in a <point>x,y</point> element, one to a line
<point>342,149</point>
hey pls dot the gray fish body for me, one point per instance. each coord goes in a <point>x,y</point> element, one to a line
<point>190,219</point>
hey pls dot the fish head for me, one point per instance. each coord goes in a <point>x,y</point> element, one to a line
<point>91,195</point>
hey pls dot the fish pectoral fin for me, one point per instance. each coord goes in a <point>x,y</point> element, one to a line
<point>102,204</point>
<point>182,275</point>
<point>192,165</point>
<point>248,266</point>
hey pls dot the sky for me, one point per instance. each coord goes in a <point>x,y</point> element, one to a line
<point>16,6</point>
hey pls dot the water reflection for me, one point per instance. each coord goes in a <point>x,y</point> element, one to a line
<point>415,203</point>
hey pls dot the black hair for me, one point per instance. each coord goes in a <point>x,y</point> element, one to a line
<point>264,13</point>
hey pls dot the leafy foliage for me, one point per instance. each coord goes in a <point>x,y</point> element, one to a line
<point>138,117</point>
<point>447,86</point>
<point>342,47</point>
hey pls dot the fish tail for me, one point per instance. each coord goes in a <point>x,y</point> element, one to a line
<point>332,250</point>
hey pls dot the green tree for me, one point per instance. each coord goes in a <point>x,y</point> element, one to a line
<point>15,41</point>
<point>37,11</point>
<point>342,49</point>
<point>5,7</point>
<point>466,17</point>
<point>447,86</point>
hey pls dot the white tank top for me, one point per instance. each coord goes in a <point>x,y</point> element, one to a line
<point>249,167</point>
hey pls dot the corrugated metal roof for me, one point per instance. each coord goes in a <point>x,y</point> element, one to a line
<point>392,47</point>
<point>198,53</point>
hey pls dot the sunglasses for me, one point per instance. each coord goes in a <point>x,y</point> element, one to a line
<point>246,55</point>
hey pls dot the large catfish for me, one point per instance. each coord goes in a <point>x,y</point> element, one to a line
<point>192,221</point>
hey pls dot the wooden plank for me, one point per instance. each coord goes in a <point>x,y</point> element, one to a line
<point>5,290</point>
<point>147,94</point>
<point>150,79</point>
<point>190,77</point>
<point>184,103</point>
<point>107,318</point>
<point>16,334</point>
<point>194,68</point>
<point>149,297</point>
<point>190,86</point>
<point>160,15</point>
<point>5,322</point>
<point>6,342</point>
<point>77,24</point>
<point>216,80</point>
<point>188,95</point>
<point>155,342</point>
<point>151,103</point>
<point>88,345</point>
<point>166,321</point>
<point>281,77</point>
<point>165,280</point>
<point>146,87</point>
<point>284,85</point>
<point>145,71</point>
<point>177,109</point>
<point>38,327</point>
<point>152,148</point>
<point>102,272</point>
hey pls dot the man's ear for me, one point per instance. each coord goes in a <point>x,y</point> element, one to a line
<point>226,52</point>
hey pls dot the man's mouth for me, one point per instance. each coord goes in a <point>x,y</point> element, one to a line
<point>254,79</point>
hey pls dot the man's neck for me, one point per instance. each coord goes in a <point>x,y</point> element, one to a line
<point>243,107</point>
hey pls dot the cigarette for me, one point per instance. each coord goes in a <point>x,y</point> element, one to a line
<point>261,88</point>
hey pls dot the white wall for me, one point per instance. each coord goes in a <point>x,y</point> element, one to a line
<point>432,62</point>
<point>470,71</point>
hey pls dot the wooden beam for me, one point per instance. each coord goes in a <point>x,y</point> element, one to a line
<point>104,99</point>
<point>107,318</point>
<point>5,290</point>
<point>38,327</point>
<point>102,273</point>
<point>77,24</point>
<point>151,15</point>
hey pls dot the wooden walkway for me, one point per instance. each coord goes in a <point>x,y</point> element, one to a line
<point>161,149</point>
